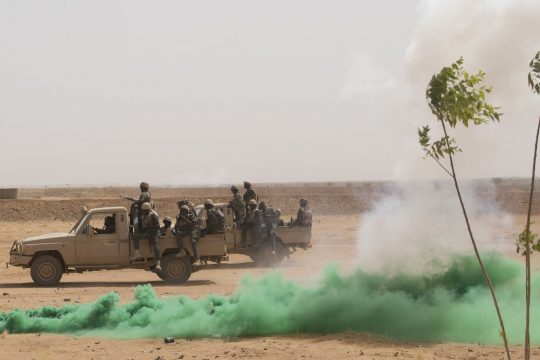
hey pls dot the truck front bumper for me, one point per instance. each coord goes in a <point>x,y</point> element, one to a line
<point>19,260</point>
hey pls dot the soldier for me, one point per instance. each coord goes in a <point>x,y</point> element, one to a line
<point>270,225</point>
<point>186,225</point>
<point>109,226</point>
<point>215,220</point>
<point>135,214</point>
<point>250,221</point>
<point>250,214</point>
<point>250,194</point>
<point>258,221</point>
<point>166,229</point>
<point>150,222</point>
<point>238,205</point>
<point>304,216</point>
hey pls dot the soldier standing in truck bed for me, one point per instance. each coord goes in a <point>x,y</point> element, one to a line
<point>238,205</point>
<point>186,225</point>
<point>150,225</point>
<point>145,194</point>
<point>250,193</point>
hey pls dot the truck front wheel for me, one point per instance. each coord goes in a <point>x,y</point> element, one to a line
<point>175,270</point>
<point>46,270</point>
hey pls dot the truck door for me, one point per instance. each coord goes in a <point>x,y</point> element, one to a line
<point>98,242</point>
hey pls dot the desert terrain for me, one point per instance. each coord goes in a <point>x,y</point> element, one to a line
<point>338,210</point>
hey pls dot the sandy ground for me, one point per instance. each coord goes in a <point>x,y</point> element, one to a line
<point>17,291</point>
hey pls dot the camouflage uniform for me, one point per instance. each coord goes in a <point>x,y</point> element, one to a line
<point>304,216</point>
<point>270,225</point>
<point>258,223</point>
<point>239,207</point>
<point>250,194</point>
<point>214,221</point>
<point>144,197</point>
<point>151,228</point>
<point>186,224</point>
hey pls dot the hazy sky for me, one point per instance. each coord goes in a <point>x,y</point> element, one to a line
<point>177,92</point>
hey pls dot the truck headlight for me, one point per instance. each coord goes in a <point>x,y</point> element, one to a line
<point>17,248</point>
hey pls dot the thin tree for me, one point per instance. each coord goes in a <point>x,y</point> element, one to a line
<point>528,242</point>
<point>457,97</point>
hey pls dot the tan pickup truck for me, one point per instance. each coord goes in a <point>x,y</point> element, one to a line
<point>86,248</point>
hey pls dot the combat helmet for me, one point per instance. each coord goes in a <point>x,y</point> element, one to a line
<point>208,202</point>
<point>168,218</point>
<point>144,186</point>
<point>146,206</point>
<point>252,202</point>
<point>303,202</point>
<point>234,188</point>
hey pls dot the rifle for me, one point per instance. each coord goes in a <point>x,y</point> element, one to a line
<point>128,198</point>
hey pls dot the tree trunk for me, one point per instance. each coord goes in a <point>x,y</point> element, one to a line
<point>476,252</point>
<point>528,255</point>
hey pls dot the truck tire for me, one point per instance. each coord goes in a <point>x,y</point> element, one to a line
<point>46,270</point>
<point>175,270</point>
<point>265,255</point>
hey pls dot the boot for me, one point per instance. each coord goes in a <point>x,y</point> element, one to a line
<point>181,253</point>
<point>158,265</point>
<point>136,255</point>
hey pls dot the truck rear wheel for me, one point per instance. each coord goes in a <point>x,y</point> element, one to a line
<point>175,270</point>
<point>46,270</point>
<point>266,255</point>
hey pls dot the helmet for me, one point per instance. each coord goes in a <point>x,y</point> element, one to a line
<point>303,202</point>
<point>247,184</point>
<point>184,209</point>
<point>146,206</point>
<point>182,202</point>
<point>252,202</point>
<point>208,202</point>
<point>262,205</point>
<point>167,218</point>
<point>144,185</point>
<point>234,188</point>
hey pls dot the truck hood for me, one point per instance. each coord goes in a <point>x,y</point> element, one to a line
<point>45,238</point>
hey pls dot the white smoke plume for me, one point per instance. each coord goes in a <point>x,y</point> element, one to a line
<point>425,221</point>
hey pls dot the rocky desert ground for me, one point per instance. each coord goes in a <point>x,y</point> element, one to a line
<point>338,208</point>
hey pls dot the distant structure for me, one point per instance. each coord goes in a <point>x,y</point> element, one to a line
<point>12,193</point>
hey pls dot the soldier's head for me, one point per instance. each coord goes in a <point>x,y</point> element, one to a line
<point>247,185</point>
<point>109,221</point>
<point>144,186</point>
<point>167,221</point>
<point>182,202</point>
<point>252,204</point>
<point>208,204</point>
<point>262,206</point>
<point>184,210</point>
<point>234,189</point>
<point>303,202</point>
<point>146,207</point>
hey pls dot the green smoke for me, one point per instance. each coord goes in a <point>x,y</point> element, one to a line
<point>450,305</point>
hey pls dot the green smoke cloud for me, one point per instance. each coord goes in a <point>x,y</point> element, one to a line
<point>452,304</point>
